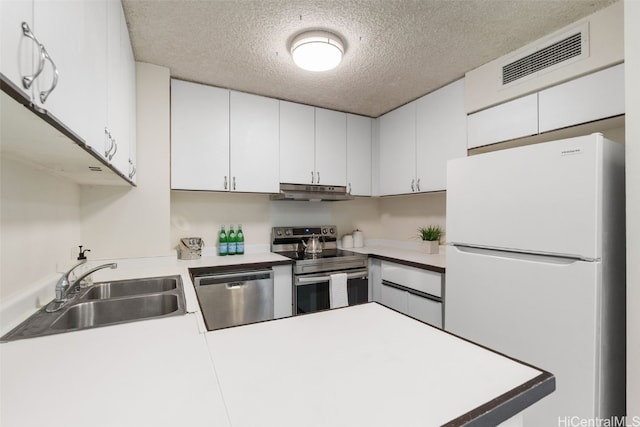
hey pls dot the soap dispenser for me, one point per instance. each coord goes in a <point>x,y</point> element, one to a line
<point>79,272</point>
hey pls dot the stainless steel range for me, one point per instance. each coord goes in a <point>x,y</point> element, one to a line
<point>317,258</point>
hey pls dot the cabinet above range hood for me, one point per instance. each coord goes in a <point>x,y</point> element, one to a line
<point>312,193</point>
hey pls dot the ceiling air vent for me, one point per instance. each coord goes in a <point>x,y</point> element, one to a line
<point>563,49</point>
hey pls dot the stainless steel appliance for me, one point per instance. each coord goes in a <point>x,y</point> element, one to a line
<point>312,271</point>
<point>234,298</point>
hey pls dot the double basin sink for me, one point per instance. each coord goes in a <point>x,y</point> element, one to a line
<point>107,303</point>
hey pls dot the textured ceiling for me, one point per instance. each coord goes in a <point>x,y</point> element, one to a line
<point>396,50</point>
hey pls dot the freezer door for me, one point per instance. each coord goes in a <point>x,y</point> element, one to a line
<point>540,310</point>
<point>543,198</point>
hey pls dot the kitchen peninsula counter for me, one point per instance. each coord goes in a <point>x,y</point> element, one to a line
<point>363,365</point>
<point>408,254</point>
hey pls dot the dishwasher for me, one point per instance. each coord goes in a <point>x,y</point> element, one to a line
<point>235,298</point>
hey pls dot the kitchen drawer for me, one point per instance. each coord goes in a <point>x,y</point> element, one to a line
<point>425,281</point>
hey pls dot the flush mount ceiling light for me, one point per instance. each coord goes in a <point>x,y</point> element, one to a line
<point>317,51</point>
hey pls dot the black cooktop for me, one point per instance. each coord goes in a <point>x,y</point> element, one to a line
<point>326,253</point>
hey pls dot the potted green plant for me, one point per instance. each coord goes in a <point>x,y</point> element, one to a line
<point>431,238</point>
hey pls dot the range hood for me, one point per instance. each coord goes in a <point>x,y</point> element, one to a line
<point>312,193</point>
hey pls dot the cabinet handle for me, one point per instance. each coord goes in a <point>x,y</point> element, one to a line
<point>413,186</point>
<point>349,188</point>
<point>111,142</point>
<point>45,93</point>
<point>115,149</point>
<point>27,81</point>
<point>234,182</point>
<point>313,178</point>
<point>225,182</point>
<point>318,177</point>
<point>132,169</point>
<point>418,185</point>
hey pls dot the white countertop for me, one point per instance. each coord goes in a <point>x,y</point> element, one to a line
<point>363,365</point>
<point>388,368</point>
<point>402,251</point>
<point>150,373</point>
<point>358,366</point>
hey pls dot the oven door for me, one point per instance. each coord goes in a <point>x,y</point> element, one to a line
<point>311,291</point>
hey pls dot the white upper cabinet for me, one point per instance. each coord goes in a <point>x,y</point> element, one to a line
<point>398,150</point>
<point>595,96</point>
<point>331,147</point>
<point>359,155</point>
<point>513,119</point>
<point>313,145</point>
<point>199,137</point>
<point>297,143</point>
<point>82,67</point>
<point>16,50</point>
<point>254,122</point>
<point>441,135</point>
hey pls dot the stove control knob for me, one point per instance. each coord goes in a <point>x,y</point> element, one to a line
<point>279,232</point>
<point>332,231</point>
<point>287,232</point>
<point>324,231</point>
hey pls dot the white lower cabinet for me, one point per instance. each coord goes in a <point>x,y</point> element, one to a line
<point>282,291</point>
<point>425,309</point>
<point>411,291</point>
<point>394,298</point>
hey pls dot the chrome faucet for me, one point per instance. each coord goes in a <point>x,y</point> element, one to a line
<point>65,289</point>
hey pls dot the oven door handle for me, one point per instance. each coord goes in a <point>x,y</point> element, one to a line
<point>318,279</point>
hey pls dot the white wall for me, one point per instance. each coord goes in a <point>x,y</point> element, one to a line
<point>39,224</point>
<point>400,216</point>
<point>200,214</point>
<point>632,70</point>
<point>134,222</point>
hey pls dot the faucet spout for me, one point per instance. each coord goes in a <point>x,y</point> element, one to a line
<point>93,270</point>
<point>64,288</point>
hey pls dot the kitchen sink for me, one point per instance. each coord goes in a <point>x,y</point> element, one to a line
<point>97,313</point>
<point>126,288</point>
<point>107,303</point>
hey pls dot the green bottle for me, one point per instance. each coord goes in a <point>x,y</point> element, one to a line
<point>222,242</point>
<point>231,241</point>
<point>240,240</point>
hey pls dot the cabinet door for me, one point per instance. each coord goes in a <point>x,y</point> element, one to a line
<point>74,36</point>
<point>441,135</point>
<point>16,50</point>
<point>331,147</point>
<point>394,298</point>
<point>297,143</point>
<point>358,155</point>
<point>424,309</point>
<point>199,137</point>
<point>398,150</point>
<point>254,143</point>
<point>513,119</point>
<point>596,96</point>
<point>122,133</point>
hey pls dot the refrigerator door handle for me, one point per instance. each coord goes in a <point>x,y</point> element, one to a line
<point>548,258</point>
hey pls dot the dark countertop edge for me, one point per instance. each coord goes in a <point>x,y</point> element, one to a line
<point>508,404</point>
<point>214,269</point>
<point>409,263</point>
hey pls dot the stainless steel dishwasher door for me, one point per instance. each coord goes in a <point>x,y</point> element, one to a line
<point>230,299</point>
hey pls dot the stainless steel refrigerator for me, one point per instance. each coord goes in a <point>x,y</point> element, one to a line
<point>536,267</point>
